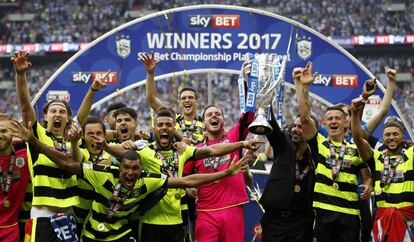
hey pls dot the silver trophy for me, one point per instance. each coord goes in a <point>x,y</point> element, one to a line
<point>271,68</point>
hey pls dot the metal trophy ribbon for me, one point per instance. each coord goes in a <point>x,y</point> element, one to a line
<point>267,73</point>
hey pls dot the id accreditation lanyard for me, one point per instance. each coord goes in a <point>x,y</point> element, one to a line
<point>56,144</point>
<point>190,130</point>
<point>6,178</point>
<point>168,168</point>
<point>336,164</point>
<point>389,169</point>
<point>117,201</point>
<point>300,175</point>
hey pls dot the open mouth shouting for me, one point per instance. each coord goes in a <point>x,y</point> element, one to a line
<point>124,132</point>
<point>57,124</point>
<point>129,182</point>
<point>164,139</point>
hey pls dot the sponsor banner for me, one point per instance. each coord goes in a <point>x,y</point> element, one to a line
<point>372,106</point>
<point>86,77</point>
<point>336,80</point>
<point>207,38</point>
<point>213,22</point>
<point>58,94</point>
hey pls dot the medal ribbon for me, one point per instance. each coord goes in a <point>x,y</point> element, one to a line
<point>6,178</point>
<point>336,164</point>
<point>300,175</point>
<point>116,202</point>
<point>170,169</point>
<point>60,147</point>
<point>389,169</point>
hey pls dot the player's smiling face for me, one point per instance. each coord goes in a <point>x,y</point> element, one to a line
<point>188,102</point>
<point>335,121</point>
<point>393,138</point>
<point>213,120</point>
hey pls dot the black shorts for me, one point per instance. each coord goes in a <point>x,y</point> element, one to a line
<point>333,226</point>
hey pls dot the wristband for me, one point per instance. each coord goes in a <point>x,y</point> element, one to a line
<point>94,90</point>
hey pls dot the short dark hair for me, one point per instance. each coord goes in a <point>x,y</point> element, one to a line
<point>337,108</point>
<point>131,155</point>
<point>394,123</point>
<point>114,106</point>
<point>126,110</point>
<point>164,111</point>
<point>93,120</point>
<point>187,89</point>
<point>212,105</point>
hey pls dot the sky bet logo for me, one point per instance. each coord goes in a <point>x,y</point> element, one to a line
<point>214,21</point>
<point>336,80</point>
<point>86,77</point>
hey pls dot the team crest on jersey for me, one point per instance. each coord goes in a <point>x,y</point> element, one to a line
<point>350,151</point>
<point>304,48</point>
<point>19,162</point>
<point>123,46</point>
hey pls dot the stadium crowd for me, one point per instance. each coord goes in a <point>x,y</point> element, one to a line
<point>84,21</point>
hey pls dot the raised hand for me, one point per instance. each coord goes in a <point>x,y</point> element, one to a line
<point>297,73</point>
<point>21,62</point>
<point>358,104</point>
<point>149,62</point>
<point>98,84</point>
<point>369,88</point>
<point>19,130</point>
<point>307,78</point>
<point>391,74</point>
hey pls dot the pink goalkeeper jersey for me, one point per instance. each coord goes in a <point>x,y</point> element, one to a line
<point>227,192</point>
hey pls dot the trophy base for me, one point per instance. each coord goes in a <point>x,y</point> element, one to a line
<point>260,130</point>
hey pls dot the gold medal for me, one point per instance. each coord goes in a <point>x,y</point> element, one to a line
<point>177,196</point>
<point>377,193</point>
<point>6,203</point>
<point>335,186</point>
<point>101,227</point>
<point>296,188</point>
